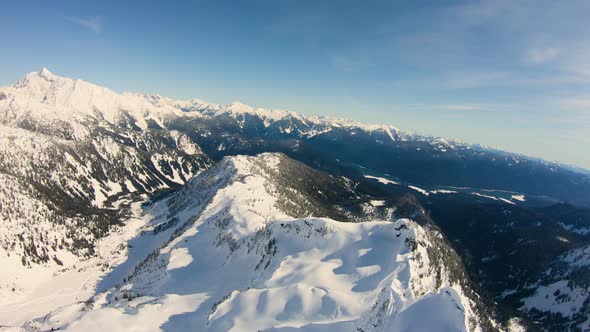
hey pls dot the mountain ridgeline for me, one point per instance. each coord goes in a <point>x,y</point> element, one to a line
<point>137,201</point>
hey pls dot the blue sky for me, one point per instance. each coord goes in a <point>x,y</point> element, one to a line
<point>511,74</point>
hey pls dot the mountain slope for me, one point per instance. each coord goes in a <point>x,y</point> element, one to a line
<point>530,259</point>
<point>236,259</point>
<point>68,177</point>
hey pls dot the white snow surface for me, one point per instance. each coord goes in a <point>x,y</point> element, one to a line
<point>578,257</point>
<point>443,191</point>
<point>493,198</point>
<point>220,255</point>
<point>574,229</point>
<point>520,198</point>
<point>43,288</point>
<point>381,180</point>
<point>377,202</point>
<point>558,297</point>
<point>420,190</point>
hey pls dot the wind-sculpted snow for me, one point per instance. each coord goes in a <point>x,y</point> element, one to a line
<point>222,255</point>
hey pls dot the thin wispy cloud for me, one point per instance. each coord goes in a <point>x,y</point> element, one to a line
<point>457,107</point>
<point>581,104</point>
<point>463,107</point>
<point>349,62</point>
<point>542,55</point>
<point>93,23</point>
<point>467,80</point>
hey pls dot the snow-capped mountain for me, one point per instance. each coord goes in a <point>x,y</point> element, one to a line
<point>68,176</point>
<point>46,99</point>
<point>126,208</point>
<point>231,252</point>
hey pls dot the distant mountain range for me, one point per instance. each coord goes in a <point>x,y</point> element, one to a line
<point>127,211</point>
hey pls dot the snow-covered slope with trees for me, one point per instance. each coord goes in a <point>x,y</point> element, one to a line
<point>68,177</point>
<point>225,253</point>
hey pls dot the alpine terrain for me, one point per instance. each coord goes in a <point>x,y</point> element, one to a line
<point>134,212</point>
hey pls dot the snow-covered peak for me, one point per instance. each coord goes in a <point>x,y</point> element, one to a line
<point>46,73</point>
<point>50,98</point>
<point>240,107</point>
<point>40,79</point>
<point>265,114</point>
<point>59,90</point>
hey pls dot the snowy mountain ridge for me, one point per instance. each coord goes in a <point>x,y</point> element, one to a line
<point>45,98</point>
<point>234,260</point>
<point>78,97</point>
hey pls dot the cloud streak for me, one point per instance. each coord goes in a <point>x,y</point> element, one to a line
<point>350,62</point>
<point>93,23</point>
<point>542,55</point>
